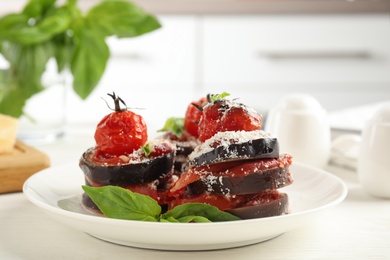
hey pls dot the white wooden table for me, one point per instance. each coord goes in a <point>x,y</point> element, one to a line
<point>358,228</point>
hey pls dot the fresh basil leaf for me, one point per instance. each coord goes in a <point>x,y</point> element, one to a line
<point>187,211</point>
<point>37,8</point>
<point>57,21</point>
<point>193,219</point>
<point>169,219</point>
<point>23,76</point>
<point>28,62</point>
<point>146,149</point>
<point>146,25</point>
<point>62,51</point>
<point>219,96</point>
<point>71,8</point>
<point>186,219</point>
<point>72,2</point>
<point>64,42</point>
<point>120,203</point>
<point>12,99</point>
<point>89,59</point>
<point>75,41</point>
<point>10,23</point>
<point>174,124</point>
<point>120,18</point>
<point>19,31</point>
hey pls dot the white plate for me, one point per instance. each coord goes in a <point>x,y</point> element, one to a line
<point>58,192</point>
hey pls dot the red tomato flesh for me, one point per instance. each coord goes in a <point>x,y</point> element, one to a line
<point>192,117</point>
<point>224,115</point>
<point>234,168</point>
<point>225,203</point>
<point>120,133</point>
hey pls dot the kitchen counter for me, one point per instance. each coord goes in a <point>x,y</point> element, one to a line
<point>358,228</point>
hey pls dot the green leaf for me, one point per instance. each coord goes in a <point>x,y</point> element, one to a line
<point>120,203</point>
<point>16,28</point>
<point>190,211</point>
<point>11,22</point>
<point>89,59</point>
<point>169,219</point>
<point>146,25</point>
<point>62,51</point>
<point>174,124</point>
<point>63,32</point>
<point>219,96</point>
<point>29,62</point>
<point>23,80</point>
<point>64,42</point>
<point>120,18</point>
<point>12,99</point>
<point>146,149</point>
<point>37,8</point>
<point>193,219</point>
<point>186,219</point>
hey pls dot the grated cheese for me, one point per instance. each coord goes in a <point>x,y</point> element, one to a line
<point>225,139</point>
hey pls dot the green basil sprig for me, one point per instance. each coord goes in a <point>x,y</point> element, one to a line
<point>214,97</point>
<point>77,41</point>
<point>120,203</point>
<point>175,125</point>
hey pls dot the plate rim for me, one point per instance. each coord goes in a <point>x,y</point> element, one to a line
<point>56,210</point>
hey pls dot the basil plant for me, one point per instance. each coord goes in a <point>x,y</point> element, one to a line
<point>43,29</point>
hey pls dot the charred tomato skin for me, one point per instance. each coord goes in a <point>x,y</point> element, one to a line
<point>192,116</point>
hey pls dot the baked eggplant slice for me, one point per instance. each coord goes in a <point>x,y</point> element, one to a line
<point>231,148</point>
<point>236,177</point>
<point>126,174</point>
<point>185,145</point>
<point>276,207</point>
<point>263,204</point>
<point>238,185</point>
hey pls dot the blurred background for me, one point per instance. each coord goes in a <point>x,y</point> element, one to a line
<point>257,50</point>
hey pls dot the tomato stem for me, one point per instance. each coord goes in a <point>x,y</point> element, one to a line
<point>209,98</point>
<point>198,107</point>
<point>117,101</point>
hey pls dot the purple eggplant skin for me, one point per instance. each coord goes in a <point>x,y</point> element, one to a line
<point>89,204</point>
<point>273,178</point>
<point>126,174</point>
<point>274,208</point>
<point>262,148</point>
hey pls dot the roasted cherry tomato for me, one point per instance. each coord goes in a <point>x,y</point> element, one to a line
<point>223,115</point>
<point>120,132</point>
<point>192,116</point>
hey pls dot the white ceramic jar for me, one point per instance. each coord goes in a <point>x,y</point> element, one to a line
<point>374,155</point>
<point>302,128</point>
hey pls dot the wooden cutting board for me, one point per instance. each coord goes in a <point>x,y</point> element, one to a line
<point>18,165</point>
